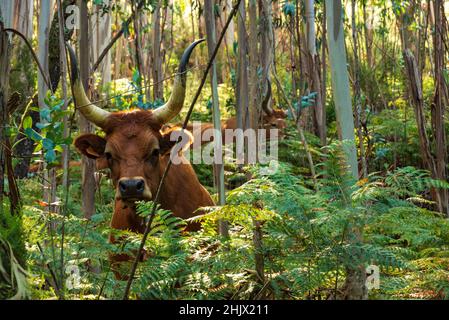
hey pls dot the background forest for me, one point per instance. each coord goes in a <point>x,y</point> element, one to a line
<point>361,191</point>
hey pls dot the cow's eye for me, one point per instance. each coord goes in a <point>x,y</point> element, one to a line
<point>154,156</point>
<point>109,158</point>
<point>155,153</point>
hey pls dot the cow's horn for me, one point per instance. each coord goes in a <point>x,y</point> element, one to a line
<point>265,103</point>
<point>92,113</point>
<point>168,111</point>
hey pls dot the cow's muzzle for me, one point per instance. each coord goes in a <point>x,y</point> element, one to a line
<point>133,189</point>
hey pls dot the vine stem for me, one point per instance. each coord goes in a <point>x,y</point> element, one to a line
<point>41,70</point>
<point>189,113</point>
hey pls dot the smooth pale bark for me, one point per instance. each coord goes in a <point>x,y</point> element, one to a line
<point>88,185</point>
<point>230,33</point>
<point>100,39</point>
<point>24,146</point>
<point>45,18</point>
<point>354,287</point>
<point>218,148</point>
<point>340,81</point>
<point>119,49</point>
<point>138,48</point>
<point>368,18</point>
<point>158,91</point>
<point>23,19</point>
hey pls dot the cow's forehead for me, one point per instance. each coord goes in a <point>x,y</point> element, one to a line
<point>133,139</point>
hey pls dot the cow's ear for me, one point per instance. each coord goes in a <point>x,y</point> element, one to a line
<point>165,144</point>
<point>91,145</point>
<point>170,137</point>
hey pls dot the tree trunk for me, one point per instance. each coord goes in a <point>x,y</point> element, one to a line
<point>5,48</point>
<point>230,32</point>
<point>369,35</point>
<point>218,148</point>
<point>356,90</point>
<point>354,287</point>
<point>101,38</point>
<point>45,17</point>
<point>438,106</point>
<point>87,165</point>
<point>242,79</point>
<point>158,91</point>
<point>266,45</point>
<point>63,68</point>
<point>138,48</point>
<point>254,96</point>
<point>24,146</point>
<point>415,93</point>
<point>314,76</point>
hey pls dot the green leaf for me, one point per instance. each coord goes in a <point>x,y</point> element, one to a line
<point>27,122</point>
<point>50,155</point>
<point>48,144</point>
<point>45,114</point>
<point>33,135</point>
<point>41,126</point>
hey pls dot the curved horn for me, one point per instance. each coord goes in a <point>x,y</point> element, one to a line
<point>265,103</point>
<point>92,113</point>
<point>168,111</point>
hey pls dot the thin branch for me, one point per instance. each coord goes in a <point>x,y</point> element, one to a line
<point>44,75</point>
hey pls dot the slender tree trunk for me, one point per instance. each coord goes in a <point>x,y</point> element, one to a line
<point>438,106</point>
<point>158,91</point>
<point>63,68</point>
<point>118,51</point>
<point>354,287</point>
<point>5,49</point>
<point>266,39</point>
<point>324,65</point>
<point>138,48</point>
<point>88,185</point>
<point>357,93</point>
<point>101,38</point>
<point>230,32</point>
<point>218,148</point>
<point>24,146</point>
<point>254,97</point>
<point>319,111</point>
<point>369,35</point>
<point>340,80</point>
<point>415,93</point>
<point>45,18</point>
<point>242,75</point>
<point>45,14</point>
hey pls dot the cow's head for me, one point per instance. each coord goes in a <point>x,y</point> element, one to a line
<point>134,145</point>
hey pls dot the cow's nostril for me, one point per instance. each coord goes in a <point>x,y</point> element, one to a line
<point>122,186</point>
<point>140,185</point>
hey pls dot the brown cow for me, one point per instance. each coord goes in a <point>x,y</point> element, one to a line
<point>271,119</point>
<point>137,152</point>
